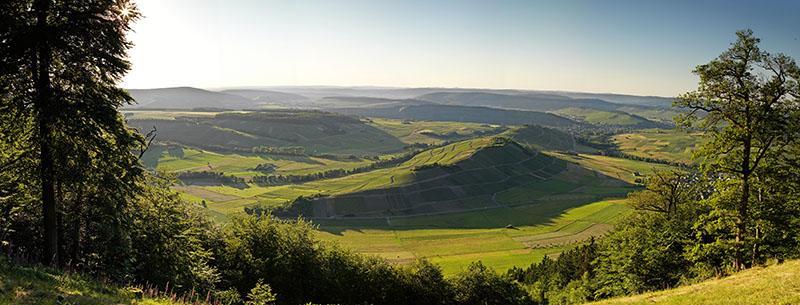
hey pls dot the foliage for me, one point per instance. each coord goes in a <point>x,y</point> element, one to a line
<point>750,98</point>
<point>261,294</point>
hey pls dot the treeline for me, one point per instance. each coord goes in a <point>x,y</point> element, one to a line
<point>272,180</point>
<point>680,232</point>
<point>211,177</point>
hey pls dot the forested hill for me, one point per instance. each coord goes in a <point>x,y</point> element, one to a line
<point>296,132</point>
<point>452,113</point>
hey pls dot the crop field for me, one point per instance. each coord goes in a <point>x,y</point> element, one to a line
<point>618,168</point>
<point>179,159</point>
<point>316,132</point>
<point>670,145</point>
<point>599,117</point>
<point>455,240</point>
<point>501,223</point>
<point>432,132</point>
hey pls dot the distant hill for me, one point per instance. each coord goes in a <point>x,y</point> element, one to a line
<point>267,97</point>
<point>315,131</point>
<point>187,98</point>
<point>363,101</point>
<point>542,138</point>
<point>520,102</point>
<point>609,118</point>
<point>486,115</point>
<point>653,101</point>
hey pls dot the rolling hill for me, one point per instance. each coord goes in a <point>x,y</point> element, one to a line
<point>542,138</point>
<point>519,102</point>
<point>485,115</point>
<point>546,103</point>
<point>462,176</point>
<point>187,98</point>
<point>314,131</point>
<point>267,97</point>
<point>612,118</point>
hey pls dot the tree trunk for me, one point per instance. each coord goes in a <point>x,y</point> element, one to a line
<point>44,117</point>
<point>741,222</point>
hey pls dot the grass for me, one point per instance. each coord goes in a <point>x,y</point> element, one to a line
<point>432,132</point>
<point>317,132</point>
<point>455,240</point>
<point>243,165</point>
<point>41,286</point>
<point>670,145</point>
<point>775,284</point>
<point>547,215</point>
<point>599,117</point>
<point>619,168</point>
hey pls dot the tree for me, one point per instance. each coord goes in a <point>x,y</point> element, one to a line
<point>59,65</point>
<point>749,99</point>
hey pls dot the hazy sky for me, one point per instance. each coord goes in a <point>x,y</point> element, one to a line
<point>639,47</point>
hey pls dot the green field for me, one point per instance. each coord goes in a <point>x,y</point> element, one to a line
<point>449,204</point>
<point>179,159</point>
<point>315,131</point>
<point>618,168</point>
<point>776,284</point>
<point>669,145</point>
<point>546,215</point>
<point>608,118</point>
<point>455,240</point>
<point>432,132</point>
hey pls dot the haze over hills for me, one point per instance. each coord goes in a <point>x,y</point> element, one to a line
<point>446,104</point>
<point>486,115</point>
<point>186,98</point>
<point>266,97</point>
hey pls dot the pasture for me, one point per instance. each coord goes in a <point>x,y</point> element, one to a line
<point>669,145</point>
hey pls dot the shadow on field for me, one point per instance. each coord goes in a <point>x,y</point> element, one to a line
<point>542,205</point>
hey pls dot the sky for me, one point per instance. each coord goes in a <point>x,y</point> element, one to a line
<point>639,47</point>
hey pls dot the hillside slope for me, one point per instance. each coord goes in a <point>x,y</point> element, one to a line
<point>268,97</point>
<point>612,118</point>
<point>462,176</point>
<point>545,103</point>
<point>39,286</point>
<point>316,132</point>
<point>542,138</point>
<point>187,98</point>
<point>777,284</point>
<point>485,115</point>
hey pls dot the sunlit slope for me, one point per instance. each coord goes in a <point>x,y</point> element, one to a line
<point>41,286</point>
<point>316,132</point>
<point>461,176</point>
<point>607,117</point>
<point>777,284</point>
<point>662,144</point>
<point>542,138</point>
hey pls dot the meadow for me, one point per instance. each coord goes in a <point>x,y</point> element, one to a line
<point>774,284</point>
<point>668,145</point>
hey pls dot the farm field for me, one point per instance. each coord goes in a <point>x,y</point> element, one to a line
<point>432,132</point>
<point>180,159</point>
<point>619,168</point>
<point>477,199</point>
<point>669,145</point>
<point>609,118</point>
<point>544,216</point>
<point>455,240</point>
